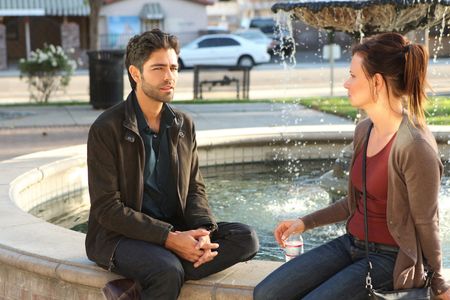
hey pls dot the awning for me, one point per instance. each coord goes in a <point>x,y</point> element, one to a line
<point>151,11</point>
<point>44,8</point>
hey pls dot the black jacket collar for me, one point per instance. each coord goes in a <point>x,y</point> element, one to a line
<point>130,120</point>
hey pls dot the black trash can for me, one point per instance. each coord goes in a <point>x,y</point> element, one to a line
<point>106,71</point>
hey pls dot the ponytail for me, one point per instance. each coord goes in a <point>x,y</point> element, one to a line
<point>416,61</point>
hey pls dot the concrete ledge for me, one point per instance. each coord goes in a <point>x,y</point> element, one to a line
<point>247,145</point>
<point>39,259</point>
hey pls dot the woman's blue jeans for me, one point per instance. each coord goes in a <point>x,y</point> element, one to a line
<point>335,270</point>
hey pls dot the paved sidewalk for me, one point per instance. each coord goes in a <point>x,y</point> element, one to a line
<point>206,116</point>
<point>26,129</point>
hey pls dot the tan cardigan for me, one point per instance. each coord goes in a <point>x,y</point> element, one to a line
<point>414,174</point>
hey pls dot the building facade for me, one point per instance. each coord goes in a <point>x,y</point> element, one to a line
<point>122,19</point>
<point>28,25</point>
<point>233,14</point>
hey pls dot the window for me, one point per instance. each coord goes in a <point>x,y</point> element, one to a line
<point>229,42</point>
<point>217,42</point>
<point>12,29</point>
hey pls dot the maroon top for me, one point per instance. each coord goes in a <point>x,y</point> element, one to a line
<point>376,190</point>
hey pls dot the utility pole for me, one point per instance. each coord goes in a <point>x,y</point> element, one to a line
<point>331,59</point>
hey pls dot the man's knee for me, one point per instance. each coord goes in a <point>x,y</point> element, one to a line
<point>249,241</point>
<point>253,243</point>
<point>173,274</point>
<point>170,275</point>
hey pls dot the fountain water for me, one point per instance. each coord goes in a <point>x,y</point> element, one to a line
<point>254,194</point>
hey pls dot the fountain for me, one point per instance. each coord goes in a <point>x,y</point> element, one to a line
<point>35,252</point>
<point>368,17</point>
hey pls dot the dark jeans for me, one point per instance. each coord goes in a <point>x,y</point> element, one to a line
<point>335,270</point>
<point>161,273</point>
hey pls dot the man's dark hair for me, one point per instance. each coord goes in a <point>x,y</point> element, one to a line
<point>141,46</point>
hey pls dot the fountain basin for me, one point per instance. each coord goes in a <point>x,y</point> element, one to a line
<point>368,16</point>
<point>42,259</point>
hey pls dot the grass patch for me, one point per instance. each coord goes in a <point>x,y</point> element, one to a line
<point>337,105</point>
<point>437,109</point>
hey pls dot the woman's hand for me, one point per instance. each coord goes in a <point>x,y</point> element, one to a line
<point>444,296</point>
<point>286,228</point>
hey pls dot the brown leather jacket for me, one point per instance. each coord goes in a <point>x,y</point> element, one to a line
<point>116,156</point>
<point>414,175</point>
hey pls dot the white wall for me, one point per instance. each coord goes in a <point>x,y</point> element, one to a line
<point>182,18</point>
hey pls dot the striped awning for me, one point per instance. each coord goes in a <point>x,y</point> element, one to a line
<point>151,11</point>
<point>44,8</point>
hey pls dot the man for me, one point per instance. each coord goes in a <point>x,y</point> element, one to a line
<point>149,218</point>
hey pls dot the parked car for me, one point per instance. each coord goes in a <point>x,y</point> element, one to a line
<point>283,43</point>
<point>223,49</point>
<point>257,36</point>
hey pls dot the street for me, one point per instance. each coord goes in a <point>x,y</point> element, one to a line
<point>269,81</point>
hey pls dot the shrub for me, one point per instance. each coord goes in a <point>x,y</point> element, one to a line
<point>46,71</point>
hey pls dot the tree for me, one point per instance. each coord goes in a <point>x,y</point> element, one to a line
<point>95,5</point>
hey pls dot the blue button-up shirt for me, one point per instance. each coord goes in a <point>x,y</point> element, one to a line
<point>160,200</point>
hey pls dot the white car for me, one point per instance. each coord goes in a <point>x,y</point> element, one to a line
<point>223,49</point>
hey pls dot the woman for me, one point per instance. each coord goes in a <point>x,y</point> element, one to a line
<point>387,80</point>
